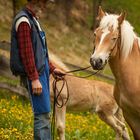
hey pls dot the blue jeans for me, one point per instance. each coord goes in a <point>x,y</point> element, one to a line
<point>41,107</point>
<point>42,128</point>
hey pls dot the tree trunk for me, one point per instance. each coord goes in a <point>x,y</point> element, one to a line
<point>14,7</point>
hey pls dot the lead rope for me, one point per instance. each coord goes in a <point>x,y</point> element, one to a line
<point>82,69</point>
<point>58,99</point>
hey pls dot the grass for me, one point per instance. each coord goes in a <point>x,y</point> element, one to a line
<point>69,46</point>
<point>86,126</point>
<point>4,32</point>
<point>16,117</point>
<point>5,79</point>
<point>17,122</point>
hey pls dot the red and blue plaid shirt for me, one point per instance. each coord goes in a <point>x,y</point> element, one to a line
<point>26,50</point>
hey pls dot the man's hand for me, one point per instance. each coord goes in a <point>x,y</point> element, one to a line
<point>58,74</point>
<point>36,87</point>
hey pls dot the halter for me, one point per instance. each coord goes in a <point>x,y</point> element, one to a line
<point>115,43</point>
<point>117,39</point>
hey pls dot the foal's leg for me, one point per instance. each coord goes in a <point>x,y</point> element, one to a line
<point>120,120</point>
<point>60,122</point>
<point>109,119</point>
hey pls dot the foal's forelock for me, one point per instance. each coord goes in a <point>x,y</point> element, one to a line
<point>126,31</point>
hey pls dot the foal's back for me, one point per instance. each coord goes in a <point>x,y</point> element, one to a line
<point>86,94</point>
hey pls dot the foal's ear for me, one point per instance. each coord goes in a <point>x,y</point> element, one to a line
<point>121,18</point>
<point>101,13</point>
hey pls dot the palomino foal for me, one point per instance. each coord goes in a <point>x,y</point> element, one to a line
<point>116,41</point>
<point>89,95</point>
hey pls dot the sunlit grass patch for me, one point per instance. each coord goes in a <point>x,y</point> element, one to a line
<point>15,117</point>
<point>16,122</point>
<point>5,79</point>
<point>86,126</point>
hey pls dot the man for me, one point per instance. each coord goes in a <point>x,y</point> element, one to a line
<point>29,59</point>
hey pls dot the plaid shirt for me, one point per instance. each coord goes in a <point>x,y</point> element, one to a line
<point>26,51</point>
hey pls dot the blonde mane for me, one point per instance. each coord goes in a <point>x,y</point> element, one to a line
<point>57,62</point>
<point>127,33</point>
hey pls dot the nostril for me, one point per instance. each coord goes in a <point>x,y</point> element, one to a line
<point>93,62</point>
<point>97,63</point>
<point>100,61</point>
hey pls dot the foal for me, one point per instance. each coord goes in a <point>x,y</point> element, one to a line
<point>89,95</point>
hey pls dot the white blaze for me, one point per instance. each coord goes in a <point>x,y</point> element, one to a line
<point>103,36</point>
<point>101,55</point>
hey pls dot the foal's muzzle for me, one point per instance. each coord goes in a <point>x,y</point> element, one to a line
<point>97,64</point>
